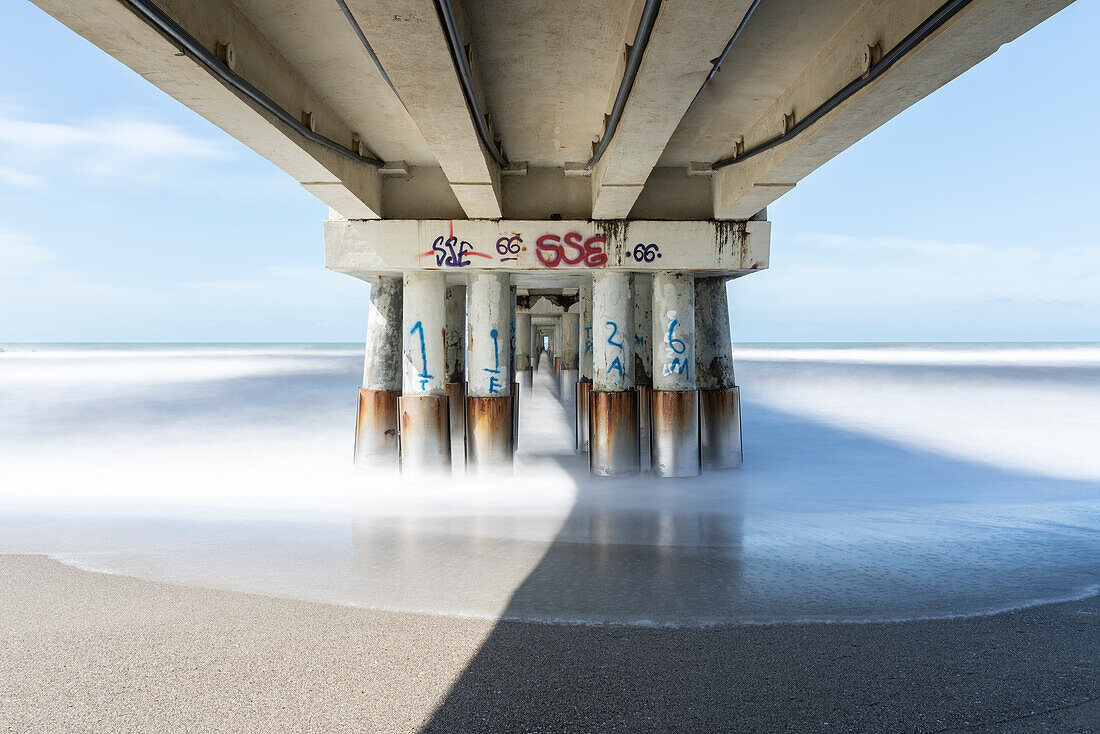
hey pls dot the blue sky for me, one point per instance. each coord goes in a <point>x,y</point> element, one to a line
<point>126,217</point>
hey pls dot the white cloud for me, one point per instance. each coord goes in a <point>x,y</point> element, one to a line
<point>119,134</point>
<point>19,256</point>
<point>20,179</point>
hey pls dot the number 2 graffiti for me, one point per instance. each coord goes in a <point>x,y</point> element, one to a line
<point>550,250</point>
<point>617,363</point>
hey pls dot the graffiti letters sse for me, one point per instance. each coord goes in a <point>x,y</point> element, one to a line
<point>572,249</point>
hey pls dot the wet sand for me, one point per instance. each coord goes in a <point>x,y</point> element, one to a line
<point>88,652</point>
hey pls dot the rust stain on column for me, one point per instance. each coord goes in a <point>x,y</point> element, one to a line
<point>488,433</point>
<point>376,428</point>
<point>613,433</point>
<point>674,421</point>
<point>456,407</point>
<point>584,388</point>
<point>425,435</point>
<point>720,428</point>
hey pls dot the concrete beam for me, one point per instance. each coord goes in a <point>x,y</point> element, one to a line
<point>685,38</point>
<point>412,47</point>
<point>544,249</point>
<point>968,38</point>
<point>353,189</point>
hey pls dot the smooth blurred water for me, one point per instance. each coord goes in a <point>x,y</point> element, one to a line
<point>881,482</point>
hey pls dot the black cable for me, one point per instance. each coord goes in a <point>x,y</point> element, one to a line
<point>630,73</point>
<point>891,57</point>
<point>462,64</point>
<point>187,43</point>
<point>717,63</point>
<point>370,51</point>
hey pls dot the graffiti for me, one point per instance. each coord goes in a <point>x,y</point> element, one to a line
<point>551,250</point>
<point>510,247</point>
<point>423,375</point>
<point>675,346</point>
<point>494,383</point>
<point>672,341</point>
<point>644,253</point>
<point>588,340</point>
<point>614,333</point>
<point>446,255</point>
<point>676,366</point>
<point>615,365</point>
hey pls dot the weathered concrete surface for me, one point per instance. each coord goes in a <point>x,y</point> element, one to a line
<point>643,330</point>
<point>382,359</point>
<point>489,335</point>
<point>713,340</point>
<point>673,331</point>
<point>456,333</point>
<point>612,332</point>
<point>423,334</point>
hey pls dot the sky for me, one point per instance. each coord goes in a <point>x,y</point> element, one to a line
<point>126,217</point>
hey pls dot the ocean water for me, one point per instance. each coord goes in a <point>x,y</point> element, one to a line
<point>881,482</point>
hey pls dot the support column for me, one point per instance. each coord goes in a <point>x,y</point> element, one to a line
<point>556,344</point>
<point>719,396</point>
<point>674,410</point>
<point>425,424</point>
<point>570,354</point>
<point>524,342</point>
<point>488,403</point>
<point>613,436</point>
<point>643,360</point>
<point>456,370</point>
<point>584,386</point>
<point>377,423</point>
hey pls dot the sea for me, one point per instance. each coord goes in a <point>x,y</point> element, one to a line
<point>881,482</point>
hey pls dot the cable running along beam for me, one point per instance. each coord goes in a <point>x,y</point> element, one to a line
<point>630,73</point>
<point>465,76</point>
<point>188,44</point>
<point>891,57</point>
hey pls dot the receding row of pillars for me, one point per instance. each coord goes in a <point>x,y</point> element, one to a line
<point>648,361</point>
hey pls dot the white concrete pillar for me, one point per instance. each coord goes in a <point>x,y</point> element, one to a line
<point>614,403</point>
<point>489,314</point>
<point>377,423</point>
<point>455,341</point>
<point>584,385</point>
<point>570,354</point>
<point>643,361</point>
<point>425,425</point>
<point>719,396</point>
<point>524,342</point>
<point>674,405</point>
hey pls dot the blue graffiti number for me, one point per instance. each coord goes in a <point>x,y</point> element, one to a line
<point>494,383</point>
<point>673,341</point>
<point>418,327</point>
<point>614,332</point>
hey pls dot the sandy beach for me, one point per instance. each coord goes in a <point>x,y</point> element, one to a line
<point>86,652</point>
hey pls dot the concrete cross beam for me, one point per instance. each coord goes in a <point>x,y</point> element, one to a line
<point>412,47</point>
<point>544,249</point>
<point>351,188</point>
<point>685,38</point>
<point>969,37</point>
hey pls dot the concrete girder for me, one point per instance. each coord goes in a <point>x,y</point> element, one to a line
<point>685,39</point>
<point>410,42</point>
<point>569,250</point>
<point>973,34</point>
<point>353,189</point>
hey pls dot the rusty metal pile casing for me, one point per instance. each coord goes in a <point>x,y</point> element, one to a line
<point>425,435</point>
<point>456,407</point>
<point>645,451</point>
<point>675,433</point>
<point>613,433</point>
<point>489,434</point>
<point>515,420</point>
<point>377,426</point>
<point>584,388</point>
<point>720,428</point>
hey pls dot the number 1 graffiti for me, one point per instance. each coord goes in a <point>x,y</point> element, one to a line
<point>423,375</point>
